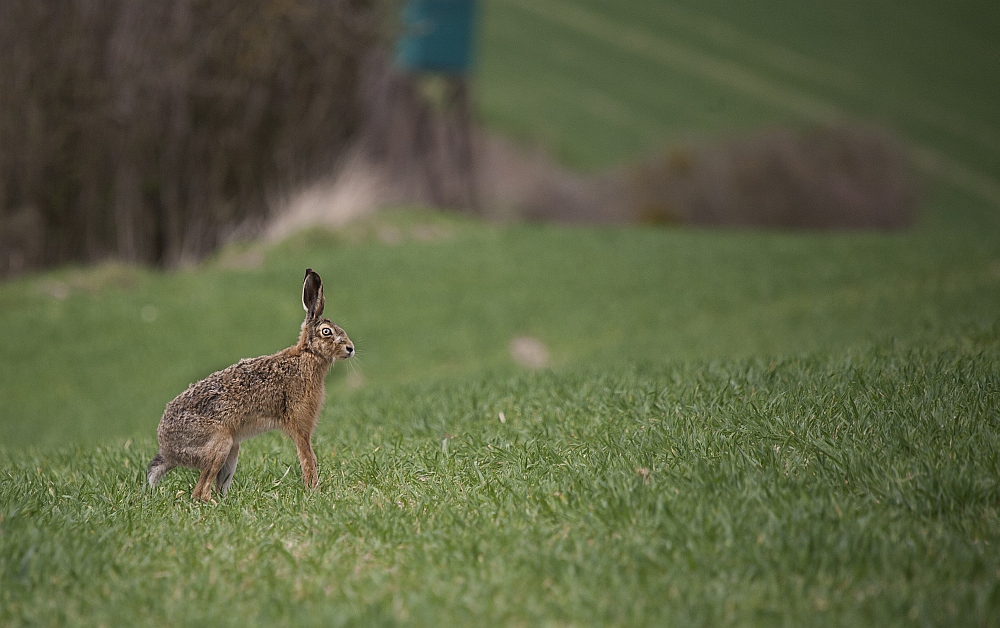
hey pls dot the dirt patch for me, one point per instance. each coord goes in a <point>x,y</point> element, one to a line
<point>357,189</point>
<point>529,352</point>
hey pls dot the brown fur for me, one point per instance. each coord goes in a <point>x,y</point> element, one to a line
<point>204,425</point>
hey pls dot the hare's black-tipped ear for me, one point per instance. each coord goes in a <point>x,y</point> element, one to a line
<point>312,295</point>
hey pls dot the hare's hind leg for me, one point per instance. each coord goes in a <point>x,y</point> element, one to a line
<point>214,457</point>
<point>228,470</point>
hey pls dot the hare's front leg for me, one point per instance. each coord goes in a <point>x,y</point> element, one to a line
<point>303,443</point>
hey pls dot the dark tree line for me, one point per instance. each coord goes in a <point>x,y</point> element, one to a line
<point>150,131</point>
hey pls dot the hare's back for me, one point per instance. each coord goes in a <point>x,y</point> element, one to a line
<point>253,386</point>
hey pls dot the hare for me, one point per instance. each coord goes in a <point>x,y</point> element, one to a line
<point>203,427</point>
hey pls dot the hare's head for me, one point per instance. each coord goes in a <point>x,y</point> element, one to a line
<point>319,335</point>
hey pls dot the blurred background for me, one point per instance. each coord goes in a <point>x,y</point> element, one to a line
<point>154,133</point>
<point>740,179</point>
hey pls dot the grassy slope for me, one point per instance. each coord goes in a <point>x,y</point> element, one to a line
<point>729,434</point>
<point>598,82</point>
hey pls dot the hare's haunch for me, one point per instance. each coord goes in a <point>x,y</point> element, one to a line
<point>203,427</point>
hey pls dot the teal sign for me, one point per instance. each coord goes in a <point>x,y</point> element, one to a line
<point>437,36</point>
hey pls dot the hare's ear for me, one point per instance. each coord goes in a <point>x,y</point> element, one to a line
<point>312,295</point>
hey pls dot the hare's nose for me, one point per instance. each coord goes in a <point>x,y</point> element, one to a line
<point>350,350</point>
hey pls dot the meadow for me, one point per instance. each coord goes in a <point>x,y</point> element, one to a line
<point>734,427</point>
<point>857,489</point>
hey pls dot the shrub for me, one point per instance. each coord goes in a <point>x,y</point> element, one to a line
<point>836,176</point>
<point>150,131</point>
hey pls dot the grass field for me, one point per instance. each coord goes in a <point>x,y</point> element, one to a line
<point>736,428</point>
<point>104,355</point>
<point>599,82</point>
<point>854,489</point>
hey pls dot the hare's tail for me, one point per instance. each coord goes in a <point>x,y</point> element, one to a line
<point>157,468</point>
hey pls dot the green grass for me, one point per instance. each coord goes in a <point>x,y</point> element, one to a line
<point>741,428</point>
<point>857,488</point>
<point>599,82</point>
<point>89,366</point>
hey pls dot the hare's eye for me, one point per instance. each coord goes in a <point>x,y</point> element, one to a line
<point>327,331</point>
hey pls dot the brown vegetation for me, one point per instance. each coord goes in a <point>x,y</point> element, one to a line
<point>829,177</point>
<point>149,131</point>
